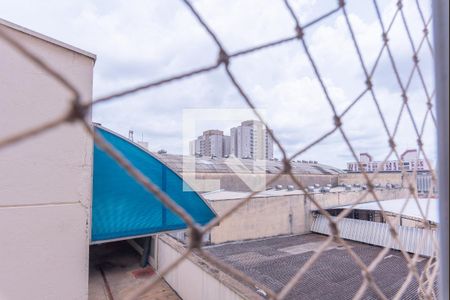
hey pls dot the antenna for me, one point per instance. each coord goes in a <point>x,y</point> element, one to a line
<point>130,134</point>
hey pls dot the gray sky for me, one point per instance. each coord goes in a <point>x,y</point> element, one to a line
<point>141,40</point>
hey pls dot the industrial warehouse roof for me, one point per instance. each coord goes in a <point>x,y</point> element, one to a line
<point>122,208</point>
<point>335,275</point>
<point>223,165</point>
<point>428,206</point>
<point>230,195</point>
<point>272,192</point>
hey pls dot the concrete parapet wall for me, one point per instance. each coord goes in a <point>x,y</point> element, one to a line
<point>261,217</point>
<point>194,279</point>
<point>381,178</point>
<point>284,214</point>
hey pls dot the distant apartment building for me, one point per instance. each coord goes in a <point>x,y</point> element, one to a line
<point>251,140</point>
<point>408,160</point>
<point>211,143</point>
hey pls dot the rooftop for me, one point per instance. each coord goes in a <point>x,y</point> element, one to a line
<point>335,275</point>
<point>229,195</point>
<point>412,208</point>
<point>218,165</point>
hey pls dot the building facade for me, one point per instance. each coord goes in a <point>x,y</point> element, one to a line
<point>409,161</point>
<point>211,143</point>
<point>45,216</point>
<point>251,140</point>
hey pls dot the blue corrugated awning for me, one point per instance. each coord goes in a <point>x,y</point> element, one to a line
<point>122,208</point>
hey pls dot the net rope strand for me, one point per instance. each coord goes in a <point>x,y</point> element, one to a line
<point>426,278</point>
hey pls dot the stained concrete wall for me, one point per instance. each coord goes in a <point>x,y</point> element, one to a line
<point>45,180</point>
<point>279,215</point>
<point>195,279</point>
<point>261,217</point>
<point>381,178</point>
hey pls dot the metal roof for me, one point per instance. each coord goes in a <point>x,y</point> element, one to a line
<point>222,165</point>
<point>335,275</point>
<point>428,206</point>
<point>230,195</point>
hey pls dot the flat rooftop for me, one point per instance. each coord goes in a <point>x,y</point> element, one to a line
<point>410,208</point>
<point>335,275</point>
<point>230,195</point>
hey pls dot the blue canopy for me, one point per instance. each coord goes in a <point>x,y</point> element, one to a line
<point>122,208</point>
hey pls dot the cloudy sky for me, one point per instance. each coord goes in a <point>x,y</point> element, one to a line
<point>137,41</point>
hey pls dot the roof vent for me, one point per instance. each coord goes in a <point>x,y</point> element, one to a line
<point>325,189</point>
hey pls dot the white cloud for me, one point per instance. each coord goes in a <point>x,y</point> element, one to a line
<point>137,41</point>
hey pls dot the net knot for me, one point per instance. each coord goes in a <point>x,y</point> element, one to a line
<point>393,232</point>
<point>367,275</point>
<point>334,230</point>
<point>300,33</point>
<point>405,98</point>
<point>223,58</point>
<point>419,142</point>
<point>392,143</point>
<point>337,121</point>
<point>286,166</point>
<point>195,238</point>
<point>370,186</point>
<point>77,112</point>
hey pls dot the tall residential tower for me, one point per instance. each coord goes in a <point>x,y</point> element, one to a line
<point>251,140</point>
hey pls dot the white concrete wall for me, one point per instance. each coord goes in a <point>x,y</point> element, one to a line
<point>261,217</point>
<point>280,215</point>
<point>191,279</point>
<point>46,180</point>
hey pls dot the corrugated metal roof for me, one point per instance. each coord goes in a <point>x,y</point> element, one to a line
<point>222,165</point>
